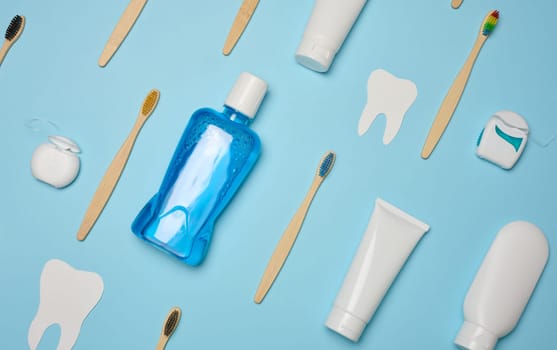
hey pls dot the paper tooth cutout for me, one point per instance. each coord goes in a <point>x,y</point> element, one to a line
<point>388,95</point>
<point>67,296</point>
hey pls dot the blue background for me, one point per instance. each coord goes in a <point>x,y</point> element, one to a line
<point>175,46</point>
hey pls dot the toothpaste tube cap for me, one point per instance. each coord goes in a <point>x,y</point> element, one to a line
<point>315,55</point>
<point>475,337</point>
<point>345,324</point>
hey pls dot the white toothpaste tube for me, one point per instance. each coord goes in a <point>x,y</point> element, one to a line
<point>328,26</point>
<point>388,241</point>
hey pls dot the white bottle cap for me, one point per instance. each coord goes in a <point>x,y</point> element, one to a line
<point>345,324</point>
<point>475,337</point>
<point>247,94</point>
<point>315,56</point>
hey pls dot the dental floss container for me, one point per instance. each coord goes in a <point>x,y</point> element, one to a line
<point>56,163</point>
<point>503,139</point>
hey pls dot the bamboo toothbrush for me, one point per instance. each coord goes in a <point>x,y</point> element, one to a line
<point>170,325</point>
<point>15,28</point>
<point>456,3</point>
<point>121,30</point>
<point>455,92</point>
<point>112,174</point>
<point>240,23</point>
<point>289,236</point>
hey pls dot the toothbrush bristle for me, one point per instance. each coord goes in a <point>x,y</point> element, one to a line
<point>150,102</point>
<point>13,28</point>
<point>171,322</point>
<point>326,164</point>
<point>490,23</point>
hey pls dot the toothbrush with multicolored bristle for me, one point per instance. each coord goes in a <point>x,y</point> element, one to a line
<point>289,236</point>
<point>455,92</point>
<point>12,34</point>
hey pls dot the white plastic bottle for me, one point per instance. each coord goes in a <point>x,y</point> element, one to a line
<point>503,285</point>
<point>328,26</point>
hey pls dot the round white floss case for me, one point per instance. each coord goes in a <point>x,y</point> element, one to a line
<point>56,163</point>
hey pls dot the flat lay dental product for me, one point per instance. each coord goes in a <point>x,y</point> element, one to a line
<point>289,236</point>
<point>240,23</point>
<point>328,26</point>
<point>452,98</point>
<point>388,241</point>
<point>116,167</point>
<point>121,30</point>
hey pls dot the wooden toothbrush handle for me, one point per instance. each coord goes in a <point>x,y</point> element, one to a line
<point>451,100</point>
<point>4,50</point>
<point>285,244</point>
<point>162,343</point>
<point>121,30</point>
<point>456,3</point>
<point>239,25</point>
<point>109,181</point>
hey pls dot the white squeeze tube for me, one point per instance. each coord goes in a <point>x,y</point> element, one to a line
<point>328,26</point>
<point>503,285</point>
<point>389,239</point>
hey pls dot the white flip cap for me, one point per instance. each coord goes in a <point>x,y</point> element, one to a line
<point>64,143</point>
<point>247,94</point>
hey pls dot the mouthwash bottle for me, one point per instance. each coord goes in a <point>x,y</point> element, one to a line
<point>215,154</point>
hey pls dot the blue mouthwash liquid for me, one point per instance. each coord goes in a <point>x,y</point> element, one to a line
<point>214,156</point>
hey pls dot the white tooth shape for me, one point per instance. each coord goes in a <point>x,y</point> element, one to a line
<point>388,95</point>
<point>67,296</point>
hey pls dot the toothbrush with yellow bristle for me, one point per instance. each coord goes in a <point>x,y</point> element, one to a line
<point>15,28</point>
<point>455,92</point>
<point>112,174</point>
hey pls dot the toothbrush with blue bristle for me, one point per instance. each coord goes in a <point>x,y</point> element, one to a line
<point>455,92</point>
<point>289,236</point>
